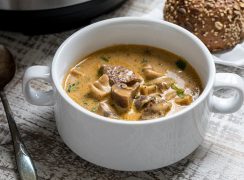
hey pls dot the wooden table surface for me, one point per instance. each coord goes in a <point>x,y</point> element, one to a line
<point>221,155</point>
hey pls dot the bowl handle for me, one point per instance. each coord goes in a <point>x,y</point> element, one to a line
<point>34,96</point>
<point>231,104</point>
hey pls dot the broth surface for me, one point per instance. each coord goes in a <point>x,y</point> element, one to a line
<point>141,60</point>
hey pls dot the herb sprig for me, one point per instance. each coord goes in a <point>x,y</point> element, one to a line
<point>105,58</point>
<point>72,87</point>
<point>144,61</point>
<point>180,92</point>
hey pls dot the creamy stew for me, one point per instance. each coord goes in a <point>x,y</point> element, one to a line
<point>133,82</point>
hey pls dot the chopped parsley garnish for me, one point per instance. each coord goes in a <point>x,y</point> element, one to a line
<point>180,92</point>
<point>85,103</point>
<point>94,109</point>
<point>144,60</point>
<point>105,58</point>
<point>95,100</point>
<point>72,87</point>
<point>181,64</point>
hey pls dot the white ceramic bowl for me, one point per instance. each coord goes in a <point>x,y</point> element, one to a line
<point>133,146</point>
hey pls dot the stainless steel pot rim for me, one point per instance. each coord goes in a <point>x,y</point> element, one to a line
<point>37,4</point>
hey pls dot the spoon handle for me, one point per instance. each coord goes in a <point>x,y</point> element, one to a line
<point>25,164</point>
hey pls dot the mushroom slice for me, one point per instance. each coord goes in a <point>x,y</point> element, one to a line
<point>100,88</point>
<point>122,95</point>
<point>170,95</point>
<point>146,90</point>
<point>142,101</point>
<point>184,101</point>
<point>163,83</point>
<point>149,73</point>
<point>120,74</point>
<point>153,106</point>
<point>106,110</point>
<point>74,71</point>
<point>156,109</point>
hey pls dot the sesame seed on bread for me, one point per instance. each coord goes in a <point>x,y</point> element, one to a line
<point>218,23</point>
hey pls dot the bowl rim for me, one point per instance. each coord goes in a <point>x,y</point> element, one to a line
<point>107,22</point>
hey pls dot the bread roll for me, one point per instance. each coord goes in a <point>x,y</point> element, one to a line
<point>218,23</point>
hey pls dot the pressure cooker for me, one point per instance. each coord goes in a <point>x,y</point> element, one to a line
<point>44,16</point>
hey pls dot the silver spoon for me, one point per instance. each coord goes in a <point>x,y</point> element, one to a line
<point>24,162</point>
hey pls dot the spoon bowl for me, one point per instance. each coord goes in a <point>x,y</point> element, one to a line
<point>25,164</point>
<point>7,66</point>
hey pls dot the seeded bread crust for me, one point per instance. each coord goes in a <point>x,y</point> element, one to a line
<point>218,23</point>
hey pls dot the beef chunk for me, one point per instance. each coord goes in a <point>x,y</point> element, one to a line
<point>142,101</point>
<point>120,74</point>
<point>156,109</point>
<point>153,106</point>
